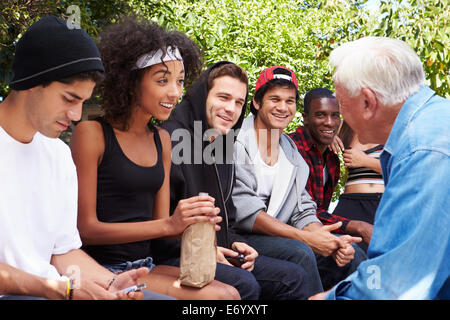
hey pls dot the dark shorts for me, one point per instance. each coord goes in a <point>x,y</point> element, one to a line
<point>358,206</point>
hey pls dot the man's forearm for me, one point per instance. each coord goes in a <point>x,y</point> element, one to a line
<point>315,235</point>
<point>17,282</point>
<point>77,263</point>
<point>268,225</point>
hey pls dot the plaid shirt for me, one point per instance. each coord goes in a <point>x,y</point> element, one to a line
<point>321,194</point>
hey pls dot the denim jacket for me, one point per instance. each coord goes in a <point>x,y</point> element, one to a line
<point>409,253</point>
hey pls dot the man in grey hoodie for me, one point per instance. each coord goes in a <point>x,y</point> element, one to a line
<point>272,204</point>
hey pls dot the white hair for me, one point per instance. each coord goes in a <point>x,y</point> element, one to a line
<point>389,67</point>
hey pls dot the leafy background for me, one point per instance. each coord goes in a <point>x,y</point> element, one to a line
<point>255,35</point>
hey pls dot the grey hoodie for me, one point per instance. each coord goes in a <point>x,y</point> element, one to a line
<point>290,202</point>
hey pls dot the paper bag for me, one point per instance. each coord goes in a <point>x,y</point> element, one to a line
<point>198,255</point>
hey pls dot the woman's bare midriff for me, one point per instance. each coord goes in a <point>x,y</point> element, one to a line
<point>365,188</point>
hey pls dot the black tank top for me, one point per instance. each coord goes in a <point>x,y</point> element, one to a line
<point>125,193</point>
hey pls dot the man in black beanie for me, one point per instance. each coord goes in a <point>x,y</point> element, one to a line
<point>55,71</point>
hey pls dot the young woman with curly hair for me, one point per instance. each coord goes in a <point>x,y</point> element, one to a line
<point>123,161</point>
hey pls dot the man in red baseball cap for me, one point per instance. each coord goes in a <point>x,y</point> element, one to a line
<point>272,203</point>
<point>266,77</point>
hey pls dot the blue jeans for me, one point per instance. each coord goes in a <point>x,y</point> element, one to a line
<point>331,273</point>
<point>271,279</point>
<point>281,280</point>
<point>129,265</point>
<point>322,272</point>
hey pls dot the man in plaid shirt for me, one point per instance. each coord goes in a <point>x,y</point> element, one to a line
<point>322,120</point>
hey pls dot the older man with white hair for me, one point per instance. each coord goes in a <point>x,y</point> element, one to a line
<point>380,85</point>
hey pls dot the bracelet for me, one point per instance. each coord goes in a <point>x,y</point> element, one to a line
<point>71,290</point>
<point>68,286</point>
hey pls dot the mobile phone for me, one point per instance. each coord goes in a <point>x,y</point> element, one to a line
<point>134,288</point>
<point>236,261</point>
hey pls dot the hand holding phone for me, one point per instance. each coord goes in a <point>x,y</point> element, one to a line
<point>134,288</point>
<point>237,261</point>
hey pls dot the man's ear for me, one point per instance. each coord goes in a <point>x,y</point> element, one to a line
<point>305,119</point>
<point>371,104</point>
<point>255,104</point>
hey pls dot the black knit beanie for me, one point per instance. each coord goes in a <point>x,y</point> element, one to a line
<point>50,51</point>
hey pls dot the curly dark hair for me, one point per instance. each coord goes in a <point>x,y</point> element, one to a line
<point>120,46</point>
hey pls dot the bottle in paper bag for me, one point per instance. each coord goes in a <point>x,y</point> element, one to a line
<point>198,254</point>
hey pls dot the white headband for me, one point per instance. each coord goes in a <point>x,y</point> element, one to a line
<point>155,57</point>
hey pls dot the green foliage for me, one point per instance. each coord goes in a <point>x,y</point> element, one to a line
<point>17,15</point>
<point>298,34</point>
<point>301,34</point>
<point>423,24</point>
<point>252,34</point>
<point>256,35</point>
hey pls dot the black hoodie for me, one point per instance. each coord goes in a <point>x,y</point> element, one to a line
<point>187,180</point>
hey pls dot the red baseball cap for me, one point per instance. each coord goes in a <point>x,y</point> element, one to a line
<point>275,72</point>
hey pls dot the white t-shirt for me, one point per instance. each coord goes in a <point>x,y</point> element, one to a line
<point>265,176</point>
<point>325,174</point>
<point>38,203</point>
